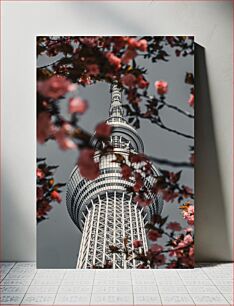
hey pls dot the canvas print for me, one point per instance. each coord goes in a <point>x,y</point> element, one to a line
<point>115,152</point>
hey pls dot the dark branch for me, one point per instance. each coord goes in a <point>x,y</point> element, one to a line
<point>171,163</point>
<point>160,124</point>
<point>178,110</point>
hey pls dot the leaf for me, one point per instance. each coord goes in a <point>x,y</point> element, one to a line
<point>61,184</point>
<point>131,119</point>
<point>52,167</point>
<point>160,106</point>
<point>40,160</point>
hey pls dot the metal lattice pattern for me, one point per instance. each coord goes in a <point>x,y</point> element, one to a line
<point>112,217</point>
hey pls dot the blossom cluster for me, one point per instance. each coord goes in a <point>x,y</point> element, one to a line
<point>179,247</point>
<point>47,190</point>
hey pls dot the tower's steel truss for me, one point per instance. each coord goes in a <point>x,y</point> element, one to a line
<point>104,209</point>
<point>111,218</point>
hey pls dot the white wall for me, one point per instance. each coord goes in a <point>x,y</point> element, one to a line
<point>210,22</point>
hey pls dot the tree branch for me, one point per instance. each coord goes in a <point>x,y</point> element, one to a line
<point>178,109</point>
<point>160,124</point>
<point>171,163</point>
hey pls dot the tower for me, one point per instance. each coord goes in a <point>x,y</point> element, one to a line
<point>104,209</point>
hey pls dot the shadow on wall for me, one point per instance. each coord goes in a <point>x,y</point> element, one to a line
<point>211,232</point>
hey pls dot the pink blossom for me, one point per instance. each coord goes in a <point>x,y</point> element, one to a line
<point>188,239</point>
<point>139,182</point>
<point>191,251</point>
<point>142,45</point>
<point>103,130</point>
<point>172,265</point>
<point>114,60</point>
<point>142,83</point>
<point>77,105</point>
<point>40,193</point>
<point>161,87</point>
<point>187,261</point>
<point>189,215</point>
<point>169,195</point>
<point>129,80</point>
<point>137,158</point>
<point>156,248</point>
<point>188,230</point>
<point>160,260</point>
<point>85,80</point>
<point>154,235</point>
<point>133,43</point>
<point>45,127</point>
<point>174,226</point>
<point>128,56</point>
<point>55,87</point>
<point>137,243</point>
<point>93,69</point>
<point>56,196</point>
<point>87,166</point>
<point>40,173</point>
<point>126,171</point>
<point>191,100</point>
<point>63,137</point>
<point>142,201</point>
<point>64,142</point>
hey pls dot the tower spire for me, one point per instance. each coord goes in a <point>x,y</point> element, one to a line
<point>116,108</point>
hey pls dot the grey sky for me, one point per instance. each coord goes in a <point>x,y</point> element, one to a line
<point>58,238</point>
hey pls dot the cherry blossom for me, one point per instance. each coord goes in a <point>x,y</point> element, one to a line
<point>161,87</point>
<point>126,171</point>
<point>45,127</point>
<point>93,70</point>
<point>77,105</point>
<point>133,43</point>
<point>191,100</point>
<point>141,82</point>
<point>114,60</point>
<point>156,248</point>
<point>40,173</point>
<point>142,45</point>
<point>174,226</point>
<point>139,182</point>
<point>55,87</point>
<point>87,166</point>
<point>103,130</point>
<point>142,201</point>
<point>128,56</point>
<point>137,243</point>
<point>188,214</point>
<point>129,80</point>
<point>40,193</point>
<point>154,235</point>
<point>159,260</point>
<point>56,196</point>
<point>137,158</point>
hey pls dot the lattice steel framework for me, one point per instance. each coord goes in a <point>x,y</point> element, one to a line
<point>103,209</point>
